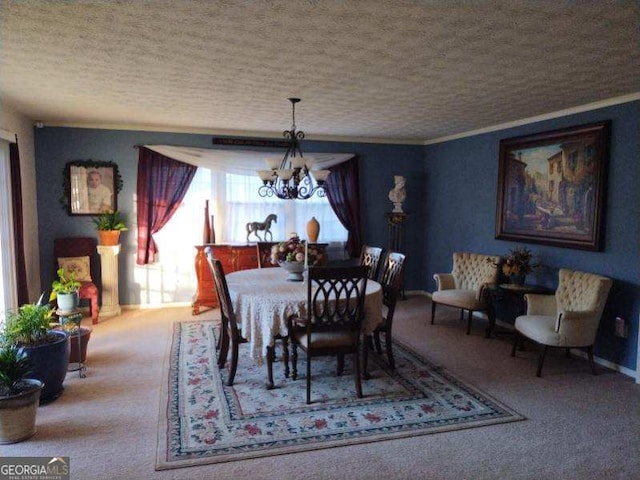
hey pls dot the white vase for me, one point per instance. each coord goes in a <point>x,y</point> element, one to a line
<point>294,271</point>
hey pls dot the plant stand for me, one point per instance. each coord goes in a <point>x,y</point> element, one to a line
<point>75,317</point>
<point>109,262</point>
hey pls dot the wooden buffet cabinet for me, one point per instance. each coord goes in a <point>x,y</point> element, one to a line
<point>233,258</point>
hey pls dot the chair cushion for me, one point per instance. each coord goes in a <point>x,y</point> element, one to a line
<point>325,339</point>
<point>79,266</point>
<point>540,328</point>
<point>458,298</point>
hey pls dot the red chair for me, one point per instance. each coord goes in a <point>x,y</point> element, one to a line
<point>83,250</point>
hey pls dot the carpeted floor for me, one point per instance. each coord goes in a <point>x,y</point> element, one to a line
<point>202,420</point>
<point>578,427</point>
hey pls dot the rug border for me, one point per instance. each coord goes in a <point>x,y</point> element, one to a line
<point>163,423</point>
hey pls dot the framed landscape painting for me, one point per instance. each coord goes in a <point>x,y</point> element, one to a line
<point>552,187</point>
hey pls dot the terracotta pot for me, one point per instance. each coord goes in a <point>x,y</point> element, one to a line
<point>85,334</point>
<point>313,230</point>
<point>109,237</point>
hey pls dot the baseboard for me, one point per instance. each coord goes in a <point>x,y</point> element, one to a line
<point>145,306</point>
<point>605,363</point>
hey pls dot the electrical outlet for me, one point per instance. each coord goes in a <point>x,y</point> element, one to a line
<point>620,328</point>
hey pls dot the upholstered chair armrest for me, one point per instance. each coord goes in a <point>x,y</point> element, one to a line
<point>481,290</point>
<point>538,304</point>
<point>444,281</point>
<point>572,322</point>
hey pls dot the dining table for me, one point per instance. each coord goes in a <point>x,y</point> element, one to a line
<point>263,299</point>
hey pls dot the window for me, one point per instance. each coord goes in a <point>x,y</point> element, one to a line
<point>233,202</point>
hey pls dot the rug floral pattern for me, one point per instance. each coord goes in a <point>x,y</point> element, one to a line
<point>205,421</point>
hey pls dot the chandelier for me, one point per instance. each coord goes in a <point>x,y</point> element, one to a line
<point>291,177</point>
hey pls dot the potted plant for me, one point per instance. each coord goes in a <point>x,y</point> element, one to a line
<point>47,349</point>
<point>516,265</point>
<point>19,396</point>
<point>65,291</point>
<point>78,346</point>
<point>109,225</point>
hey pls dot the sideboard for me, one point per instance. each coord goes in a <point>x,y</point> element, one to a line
<point>233,258</point>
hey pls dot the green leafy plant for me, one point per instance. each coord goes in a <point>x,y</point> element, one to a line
<point>66,283</point>
<point>113,220</point>
<point>14,366</point>
<point>29,325</point>
<point>519,261</point>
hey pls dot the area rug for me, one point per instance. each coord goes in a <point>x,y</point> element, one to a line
<point>202,421</point>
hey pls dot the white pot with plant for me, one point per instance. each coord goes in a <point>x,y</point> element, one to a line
<point>19,396</point>
<point>65,291</point>
<point>109,226</point>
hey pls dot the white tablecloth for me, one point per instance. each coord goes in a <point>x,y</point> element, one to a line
<point>263,300</point>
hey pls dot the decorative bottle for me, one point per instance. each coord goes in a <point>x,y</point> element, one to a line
<point>206,234</point>
<point>313,230</point>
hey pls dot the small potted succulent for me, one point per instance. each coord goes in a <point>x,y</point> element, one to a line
<point>109,226</point>
<point>30,328</point>
<point>19,396</point>
<point>65,291</point>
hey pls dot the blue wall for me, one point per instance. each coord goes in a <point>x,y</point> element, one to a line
<point>460,196</point>
<point>451,202</point>
<point>57,146</point>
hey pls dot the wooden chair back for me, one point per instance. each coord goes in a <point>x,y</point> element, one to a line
<point>264,254</point>
<point>370,257</point>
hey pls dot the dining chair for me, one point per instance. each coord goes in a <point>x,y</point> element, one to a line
<point>230,334</point>
<point>264,254</point>
<point>370,257</point>
<point>391,278</point>
<point>229,331</point>
<point>335,302</point>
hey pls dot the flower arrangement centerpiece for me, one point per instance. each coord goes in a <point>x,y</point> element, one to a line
<point>291,256</point>
<point>517,264</point>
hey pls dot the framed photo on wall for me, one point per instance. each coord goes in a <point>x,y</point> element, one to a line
<point>91,187</point>
<point>552,187</point>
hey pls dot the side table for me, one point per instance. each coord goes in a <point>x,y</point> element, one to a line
<point>506,302</point>
<point>75,317</point>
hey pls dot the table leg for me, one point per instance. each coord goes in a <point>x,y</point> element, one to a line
<point>270,356</point>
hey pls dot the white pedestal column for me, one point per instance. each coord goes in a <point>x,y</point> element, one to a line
<point>109,263</point>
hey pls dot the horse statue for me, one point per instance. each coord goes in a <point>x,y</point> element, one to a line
<point>254,227</point>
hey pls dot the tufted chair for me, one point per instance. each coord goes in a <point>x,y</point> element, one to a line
<point>463,287</point>
<point>82,251</point>
<point>568,319</point>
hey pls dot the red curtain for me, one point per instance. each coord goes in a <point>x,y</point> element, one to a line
<point>162,184</point>
<point>343,193</point>
<point>18,225</point>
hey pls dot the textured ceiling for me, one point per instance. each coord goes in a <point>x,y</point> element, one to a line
<point>402,70</point>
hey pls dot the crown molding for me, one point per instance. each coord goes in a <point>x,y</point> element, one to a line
<point>335,138</point>
<point>547,116</point>
<point>232,133</point>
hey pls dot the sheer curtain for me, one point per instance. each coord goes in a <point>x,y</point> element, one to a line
<point>8,294</point>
